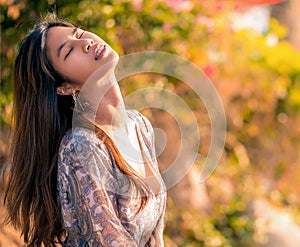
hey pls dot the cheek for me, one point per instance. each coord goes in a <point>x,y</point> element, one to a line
<point>78,71</point>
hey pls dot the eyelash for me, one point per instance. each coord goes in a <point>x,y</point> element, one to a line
<point>72,47</point>
<point>81,34</point>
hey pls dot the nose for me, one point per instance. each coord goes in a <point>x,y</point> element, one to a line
<point>87,45</point>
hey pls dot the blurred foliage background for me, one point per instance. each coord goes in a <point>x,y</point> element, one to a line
<point>256,74</point>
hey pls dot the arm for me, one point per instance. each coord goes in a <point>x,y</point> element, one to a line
<point>156,238</point>
<point>88,192</point>
<point>146,131</point>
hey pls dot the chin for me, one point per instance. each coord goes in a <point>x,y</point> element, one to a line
<point>114,57</point>
<point>106,68</point>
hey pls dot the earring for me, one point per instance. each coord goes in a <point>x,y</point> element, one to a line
<point>74,97</point>
<point>80,104</point>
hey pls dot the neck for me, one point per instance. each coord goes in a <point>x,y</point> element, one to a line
<point>111,113</point>
<point>105,98</point>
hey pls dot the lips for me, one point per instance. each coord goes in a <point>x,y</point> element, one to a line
<point>99,51</point>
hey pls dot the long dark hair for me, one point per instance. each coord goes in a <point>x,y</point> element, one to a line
<point>40,119</point>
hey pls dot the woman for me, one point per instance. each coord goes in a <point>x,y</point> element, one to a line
<point>83,172</point>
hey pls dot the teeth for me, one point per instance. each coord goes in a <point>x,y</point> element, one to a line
<point>99,51</point>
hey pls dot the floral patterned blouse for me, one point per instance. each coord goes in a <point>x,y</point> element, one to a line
<point>98,201</point>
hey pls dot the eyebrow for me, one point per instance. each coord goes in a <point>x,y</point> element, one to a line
<point>63,44</point>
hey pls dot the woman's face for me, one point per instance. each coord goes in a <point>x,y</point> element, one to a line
<point>76,53</point>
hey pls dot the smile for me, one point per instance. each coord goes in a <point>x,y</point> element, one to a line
<point>99,51</point>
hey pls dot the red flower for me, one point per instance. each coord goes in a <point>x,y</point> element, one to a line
<point>210,70</point>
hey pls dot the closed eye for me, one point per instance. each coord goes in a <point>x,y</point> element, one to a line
<point>81,35</point>
<point>69,52</point>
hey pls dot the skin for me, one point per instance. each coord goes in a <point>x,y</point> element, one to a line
<point>79,66</point>
<point>72,53</point>
<point>76,59</point>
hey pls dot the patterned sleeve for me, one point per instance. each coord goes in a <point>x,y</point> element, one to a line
<point>87,191</point>
<point>147,132</point>
<point>156,238</point>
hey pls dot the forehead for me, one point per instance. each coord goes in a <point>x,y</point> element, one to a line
<point>57,35</point>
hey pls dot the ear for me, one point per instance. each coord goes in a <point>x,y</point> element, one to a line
<point>64,89</point>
